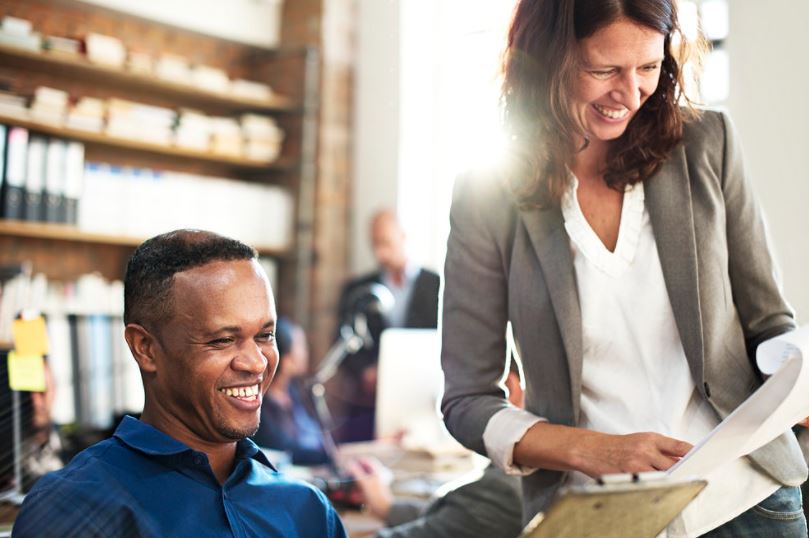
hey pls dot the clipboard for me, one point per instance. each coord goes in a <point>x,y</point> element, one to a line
<point>616,507</point>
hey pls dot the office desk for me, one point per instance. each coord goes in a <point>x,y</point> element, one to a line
<point>417,473</point>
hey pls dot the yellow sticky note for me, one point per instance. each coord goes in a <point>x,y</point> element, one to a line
<point>26,372</point>
<point>30,337</point>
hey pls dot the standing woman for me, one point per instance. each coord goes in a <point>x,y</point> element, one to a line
<point>625,246</point>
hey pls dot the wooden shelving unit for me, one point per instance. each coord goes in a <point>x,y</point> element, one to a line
<point>63,232</point>
<point>80,67</point>
<point>100,139</point>
<point>63,252</point>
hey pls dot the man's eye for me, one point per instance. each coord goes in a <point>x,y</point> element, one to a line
<point>651,68</point>
<point>265,337</point>
<point>221,342</point>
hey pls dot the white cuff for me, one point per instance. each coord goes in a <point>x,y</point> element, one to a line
<point>503,431</point>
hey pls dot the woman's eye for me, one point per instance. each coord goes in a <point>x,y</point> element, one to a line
<point>602,73</point>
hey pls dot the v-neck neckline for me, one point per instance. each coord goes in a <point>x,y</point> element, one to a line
<point>613,263</point>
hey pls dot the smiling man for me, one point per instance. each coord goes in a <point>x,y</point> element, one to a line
<point>200,316</point>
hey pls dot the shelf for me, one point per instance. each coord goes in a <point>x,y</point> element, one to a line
<point>64,232</point>
<point>79,66</point>
<point>100,139</point>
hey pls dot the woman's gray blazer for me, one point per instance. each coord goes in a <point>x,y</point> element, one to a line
<point>508,264</point>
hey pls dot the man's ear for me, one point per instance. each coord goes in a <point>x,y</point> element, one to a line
<point>143,346</point>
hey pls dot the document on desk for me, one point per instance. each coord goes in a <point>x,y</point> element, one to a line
<point>774,408</point>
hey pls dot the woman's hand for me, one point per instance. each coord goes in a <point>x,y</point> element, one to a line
<point>374,480</point>
<point>562,448</point>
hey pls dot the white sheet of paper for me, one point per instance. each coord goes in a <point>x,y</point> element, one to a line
<point>774,408</point>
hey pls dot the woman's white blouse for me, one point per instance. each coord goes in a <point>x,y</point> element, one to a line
<point>635,376</point>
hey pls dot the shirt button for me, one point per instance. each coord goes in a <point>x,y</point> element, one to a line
<point>197,459</point>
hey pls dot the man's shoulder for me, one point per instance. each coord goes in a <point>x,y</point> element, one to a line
<point>61,499</point>
<point>428,275</point>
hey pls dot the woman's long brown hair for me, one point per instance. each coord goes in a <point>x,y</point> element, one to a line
<point>540,66</point>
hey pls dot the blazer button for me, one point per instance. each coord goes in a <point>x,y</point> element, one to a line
<point>707,390</point>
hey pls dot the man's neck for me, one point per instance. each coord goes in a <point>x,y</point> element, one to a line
<point>220,455</point>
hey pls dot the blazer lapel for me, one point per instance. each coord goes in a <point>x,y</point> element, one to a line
<point>550,241</point>
<point>668,200</point>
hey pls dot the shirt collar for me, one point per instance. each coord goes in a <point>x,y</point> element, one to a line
<point>147,439</point>
<point>411,271</point>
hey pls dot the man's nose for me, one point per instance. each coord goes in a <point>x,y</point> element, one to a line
<point>251,359</point>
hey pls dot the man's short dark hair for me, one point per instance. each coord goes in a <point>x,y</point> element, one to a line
<point>151,269</point>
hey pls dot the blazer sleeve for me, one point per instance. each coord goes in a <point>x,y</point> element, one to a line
<point>754,275</point>
<point>475,309</point>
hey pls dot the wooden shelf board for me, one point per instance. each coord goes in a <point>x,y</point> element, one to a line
<point>64,232</point>
<point>80,65</point>
<point>90,137</point>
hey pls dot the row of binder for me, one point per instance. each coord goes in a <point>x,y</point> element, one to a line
<point>41,177</point>
<point>95,376</point>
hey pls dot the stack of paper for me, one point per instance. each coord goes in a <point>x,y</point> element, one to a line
<point>193,130</point>
<point>780,403</point>
<point>210,78</point>
<point>140,62</point>
<point>262,137</point>
<point>49,105</point>
<point>174,68</point>
<point>251,90</point>
<point>105,50</point>
<point>13,105</point>
<point>227,137</point>
<point>87,115</point>
<point>17,32</point>
<point>127,119</point>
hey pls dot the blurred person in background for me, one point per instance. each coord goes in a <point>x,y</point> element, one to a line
<point>415,306</point>
<point>286,421</point>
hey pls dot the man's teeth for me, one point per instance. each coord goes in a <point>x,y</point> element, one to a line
<point>610,113</point>
<point>248,393</point>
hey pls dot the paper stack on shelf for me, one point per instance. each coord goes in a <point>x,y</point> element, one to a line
<point>63,45</point>
<point>140,62</point>
<point>227,137</point>
<point>249,89</point>
<point>105,50</point>
<point>193,130</point>
<point>262,137</point>
<point>17,32</point>
<point>87,115</point>
<point>127,119</point>
<point>13,105</point>
<point>210,78</point>
<point>173,68</point>
<point>49,105</point>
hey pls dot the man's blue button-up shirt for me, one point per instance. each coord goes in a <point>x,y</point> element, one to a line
<point>141,482</point>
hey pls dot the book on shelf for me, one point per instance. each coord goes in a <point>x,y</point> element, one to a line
<point>74,180</point>
<point>63,46</point>
<point>35,178</point>
<point>55,177</point>
<point>14,177</point>
<point>3,137</point>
